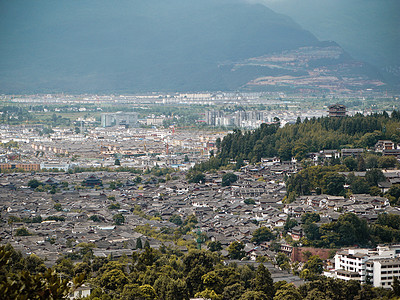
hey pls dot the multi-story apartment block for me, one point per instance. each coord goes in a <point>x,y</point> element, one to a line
<point>20,165</point>
<point>119,118</point>
<point>377,267</point>
<point>240,118</point>
<point>381,272</point>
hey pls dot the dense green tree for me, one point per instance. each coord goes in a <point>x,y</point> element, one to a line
<point>361,167</point>
<point>236,251</point>
<point>281,260</point>
<point>113,280</point>
<point>45,285</point>
<point>314,264</point>
<point>94,218</point>
<point>82,268</point>
<point>22,231</point>
<point>315,294</point>
<point>228,179</point>
<point>348,230</point>
<point>130,292</point>
<point>262,234</point>
<point>310,218</point>
<point>386,162</point>
<point>246,275</point>
<point>371,162</point>
<point>366,293</point>
<point>208,294</point>
<point>213,281</point>
<point>389,220</point>
<point>326,178</point>
<point>230,274</point>
<point>22,278</point>
<point>233,292</point>
<point>146,245</point>
<point>98,262</point>
<point>285,151</point>
<point>291,197</point>
<point>191,219</point>
<point>58,206</point>
<point>249,201</point>
<point>374,176</point>
<point>349,289</point>
<point>311,231</point>
<point>394,194</point>
<point>147,292</point>
<point>169,289</point>
<point>375,191</point>
<point>139,243</point>
<point>288,292</point>
<point>119,219</point>
<point>214,246</point>
<point>34,264</point>
<point>263,281</point>
<point>396,286</point>
<point>194,279</point>
<point>334,184</point>
<point>253,295</point>
<point>290,223</point>
<point>196,177</point>
<point>329,288</point>
<point>218,143</point>
<point>359,186</point>
<point>65,267</point>
<point>350,163</point>
<point>176,219</point>
<point>148,256</point>
<point>300,150</point>
<point>386,229</point>
<point>200,258</point>
<point>34,183</point>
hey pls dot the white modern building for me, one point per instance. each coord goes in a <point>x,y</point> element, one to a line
<point>57,165</point>
<point>377,267</point>
<point>119,118</point>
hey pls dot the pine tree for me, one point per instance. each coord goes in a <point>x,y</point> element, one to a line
<point>263,282</point>
<point>139,243</point>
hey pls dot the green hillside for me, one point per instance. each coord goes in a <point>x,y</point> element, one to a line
<point>296,140</point>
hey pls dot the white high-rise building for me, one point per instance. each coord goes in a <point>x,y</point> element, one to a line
<point>377,267</point>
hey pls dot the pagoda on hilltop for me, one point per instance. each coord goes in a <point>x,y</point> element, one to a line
<point>337,110</point>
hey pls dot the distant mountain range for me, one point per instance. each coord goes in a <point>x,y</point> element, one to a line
<point>368,29</point>
<point>133,46</point>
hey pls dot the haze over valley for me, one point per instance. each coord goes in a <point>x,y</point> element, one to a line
<point>174,45</point>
